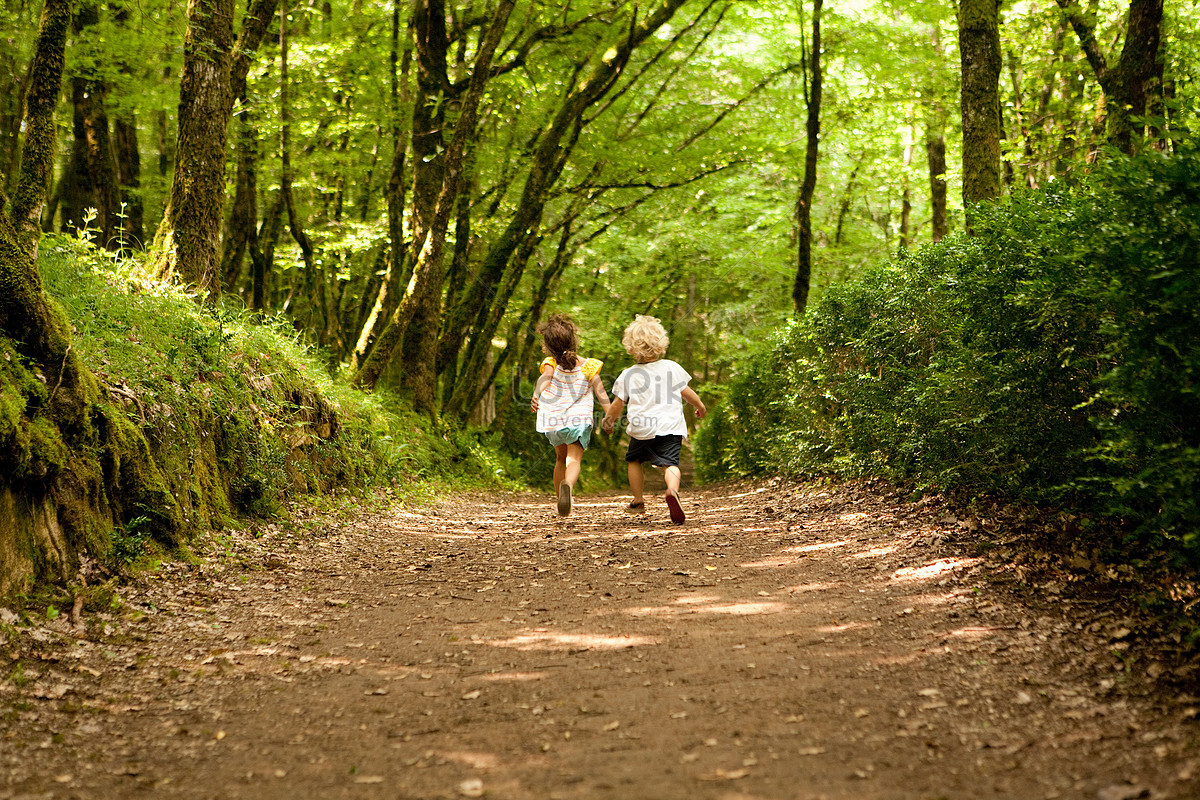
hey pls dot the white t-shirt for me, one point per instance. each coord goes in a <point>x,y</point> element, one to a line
<point>652,398</point>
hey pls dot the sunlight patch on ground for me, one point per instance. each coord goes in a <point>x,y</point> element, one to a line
<point>818,586</point>
<point>933,569</point>
<point>707,607</point>
<point>813,548</point>
<point>471,759</point>
<point>514,677</point>
<point>537,640</point>
<point>696,599</point>
<point>773,563</point>
<point>976,632</point>
<point>844,627</point>
<point>876,552</point>
<point>853,518</point>
<point>741,609</point>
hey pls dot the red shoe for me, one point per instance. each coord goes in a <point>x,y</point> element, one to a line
<point>677,515</point>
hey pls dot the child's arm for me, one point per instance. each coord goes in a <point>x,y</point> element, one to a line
<point>601,395</point>
<point>614,413</point>
<point>542,382</point>
<point>689,395</point>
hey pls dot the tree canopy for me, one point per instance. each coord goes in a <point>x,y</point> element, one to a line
<point>606,159</point>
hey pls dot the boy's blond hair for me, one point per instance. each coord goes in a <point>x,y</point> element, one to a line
<point>645,339</point>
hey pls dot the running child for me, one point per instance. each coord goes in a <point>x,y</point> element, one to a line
<point>654,390</point>
<point>562,399</point>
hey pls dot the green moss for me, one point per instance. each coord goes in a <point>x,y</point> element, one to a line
<point>175,417</point>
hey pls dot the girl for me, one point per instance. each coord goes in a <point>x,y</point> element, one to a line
<point>562,399</point>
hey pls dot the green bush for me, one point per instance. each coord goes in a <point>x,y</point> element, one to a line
<point>1051,356</point>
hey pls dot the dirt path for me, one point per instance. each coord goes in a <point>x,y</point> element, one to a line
<point>786,643</point>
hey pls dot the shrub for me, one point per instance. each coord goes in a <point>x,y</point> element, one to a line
<point>1053,355</point>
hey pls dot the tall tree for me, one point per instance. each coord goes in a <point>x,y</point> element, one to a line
<point>979,49</point>
<point>1129,83</point>
<point>189,236</point>
<point>804,237</point>
<point>423,298</point>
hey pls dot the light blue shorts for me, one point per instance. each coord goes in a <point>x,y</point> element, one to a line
<point>578,433</point>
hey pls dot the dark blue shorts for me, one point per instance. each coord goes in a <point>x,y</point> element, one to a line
<point>661,451</point>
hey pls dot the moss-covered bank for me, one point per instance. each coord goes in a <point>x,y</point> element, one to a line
<point>197,417</point>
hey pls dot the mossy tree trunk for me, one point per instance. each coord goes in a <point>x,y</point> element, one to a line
<point>979,48</point>
<point>37,156</point>
<point>72,469</point>
<point>189,235</point>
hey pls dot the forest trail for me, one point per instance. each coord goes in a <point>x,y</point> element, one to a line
<point>786,643</point>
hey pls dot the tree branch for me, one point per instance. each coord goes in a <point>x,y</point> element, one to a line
<point>1087,38</point>
<point>764,83</point>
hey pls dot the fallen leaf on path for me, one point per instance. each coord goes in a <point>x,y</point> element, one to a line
<point>811,751</point>
<point>612,726</point>
<point>369,779</point>
<point>473,695</point>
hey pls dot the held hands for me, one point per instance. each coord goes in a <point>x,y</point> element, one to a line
<point>533,404</point>
<point>607,424</point>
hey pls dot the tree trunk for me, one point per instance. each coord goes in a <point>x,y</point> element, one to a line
<point>26,315</point>
<point>189,236</point>
<point>37,156</point>
<point>132,232</point>
<point>847,200</point>
<point>935,151</point>
<point>314,282</point>
<point>808,186</point>
<point>240,228</point>
<point>395,276</point>
<point>92,169</point>
<point>906,191</point>
<point>979,48</point>
<point>1127,86</point>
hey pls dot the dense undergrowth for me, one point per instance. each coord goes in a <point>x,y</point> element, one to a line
<point>238,414</point>
<point>1053,357</point>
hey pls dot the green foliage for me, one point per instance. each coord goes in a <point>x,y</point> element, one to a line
<point>129,541</point>
<point>1052,356</point>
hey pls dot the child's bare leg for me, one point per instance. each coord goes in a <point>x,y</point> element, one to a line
<point>573,463</point>
<point>671,474</point>
<point>637,481</point>
<point>560,465</point>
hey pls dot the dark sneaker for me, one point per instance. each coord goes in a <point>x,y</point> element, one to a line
<point>564,499</point>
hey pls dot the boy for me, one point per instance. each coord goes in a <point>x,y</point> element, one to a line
<point>654,390</point>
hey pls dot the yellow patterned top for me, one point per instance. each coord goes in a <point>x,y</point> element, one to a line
<point>591,366</point>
